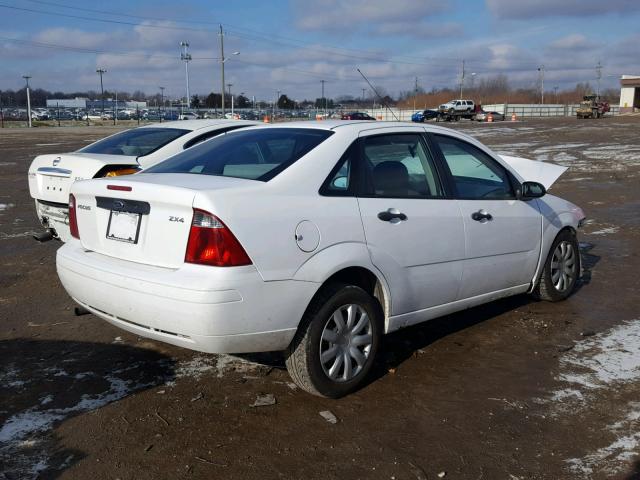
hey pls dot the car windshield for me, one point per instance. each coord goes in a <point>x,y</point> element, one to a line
<point>259,154</point>
<point>137,142</point>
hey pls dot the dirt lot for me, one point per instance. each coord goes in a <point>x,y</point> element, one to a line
<point>512,390</point>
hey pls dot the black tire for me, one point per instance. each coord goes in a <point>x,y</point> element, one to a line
<point>303,355</point>
<point>546,288</point>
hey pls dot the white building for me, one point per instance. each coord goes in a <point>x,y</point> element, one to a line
<point>77,102</point>
<point>629,93</point>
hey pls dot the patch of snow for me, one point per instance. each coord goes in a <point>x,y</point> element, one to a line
<point>596,366</point>
<point>606,231</point>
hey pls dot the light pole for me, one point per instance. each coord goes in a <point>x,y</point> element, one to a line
<point>599,75</point>
<point>473,77</point>
<point>229,85</point>
<point>555,90</point>
<point>101,72</point>
<point>27,77</point>
<point>160,114</point>
<point>462,80</point>
<point>185,56</point>
<point>222,60</point>
<point>324,101</point>
<point>363,90</point>
<point>541,70</point>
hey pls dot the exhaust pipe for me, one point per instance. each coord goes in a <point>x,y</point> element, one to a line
<point>79,311</point>
<point>44,236</point>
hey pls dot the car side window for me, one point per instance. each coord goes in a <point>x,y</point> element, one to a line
<point>399,166</point>
<point>475,174</point>
<point>340,181</point>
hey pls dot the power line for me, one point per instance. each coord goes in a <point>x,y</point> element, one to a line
<point>95,51</point>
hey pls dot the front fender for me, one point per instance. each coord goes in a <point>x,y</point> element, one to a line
<point>557,215</point>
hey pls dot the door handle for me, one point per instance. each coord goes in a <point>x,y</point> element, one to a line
<point>482,216</point>
<point>392,215</point>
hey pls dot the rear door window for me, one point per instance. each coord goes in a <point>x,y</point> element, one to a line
<point>259,154</point>
<point>399,166</point>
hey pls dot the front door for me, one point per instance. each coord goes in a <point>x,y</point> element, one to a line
<point>503,234</point>
<point>414,234</point>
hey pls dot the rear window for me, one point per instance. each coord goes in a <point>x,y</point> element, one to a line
<point>137,142</point>
<point>252,154</point>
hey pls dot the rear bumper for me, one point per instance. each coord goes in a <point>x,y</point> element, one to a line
<point>55,217</point>
<point>209,309</point>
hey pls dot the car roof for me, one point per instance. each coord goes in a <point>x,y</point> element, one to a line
<point>199,124</point>
<point>358,126</point>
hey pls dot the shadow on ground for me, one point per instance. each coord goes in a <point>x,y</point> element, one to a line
<point>43,383</point>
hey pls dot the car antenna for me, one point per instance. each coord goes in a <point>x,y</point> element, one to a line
<point>378,95</point>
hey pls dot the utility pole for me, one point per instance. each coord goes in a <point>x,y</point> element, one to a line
<point>27,77</point>
<point>222,64</point>
<point>185,56</point>
<point>363,90</point>
<point>324,101</point>
<point>598,75</point>
<point>541,70</point>
<point>462,79</point>
<point>415,94</point>
<point>160,114</point>
<point>101,71</point>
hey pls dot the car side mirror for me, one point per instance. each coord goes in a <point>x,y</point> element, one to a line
<point>530,190</point>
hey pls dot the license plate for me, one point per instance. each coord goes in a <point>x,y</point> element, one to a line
<point>123,226</point>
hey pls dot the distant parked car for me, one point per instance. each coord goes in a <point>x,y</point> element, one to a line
<point>127,152</point>
<point>424,115</point>
<point>357,116</point>
<point>484,116</point>
<point>188,116</point>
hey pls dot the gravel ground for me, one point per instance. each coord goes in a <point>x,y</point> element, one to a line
<point>516,389</point>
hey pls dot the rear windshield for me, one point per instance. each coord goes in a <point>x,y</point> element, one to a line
<point>137,142</point>
<point>252,154</point>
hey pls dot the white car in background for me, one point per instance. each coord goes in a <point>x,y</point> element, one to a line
<point>316,239</point>
<point>50,176</point>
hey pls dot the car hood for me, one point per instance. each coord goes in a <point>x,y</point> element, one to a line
<point>535,171</point>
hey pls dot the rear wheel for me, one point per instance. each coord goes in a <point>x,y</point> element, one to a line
<point>336,342</point>
<point>561,269</point>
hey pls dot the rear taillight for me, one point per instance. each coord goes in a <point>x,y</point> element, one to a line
<point>73,220</point>
<point>212,243</point>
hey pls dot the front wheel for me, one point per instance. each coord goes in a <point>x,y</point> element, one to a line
<point>561,269</point>
<point>336,342</point>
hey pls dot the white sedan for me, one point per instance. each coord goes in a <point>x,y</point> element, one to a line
<point>50,176</point>
<point>316,239</point>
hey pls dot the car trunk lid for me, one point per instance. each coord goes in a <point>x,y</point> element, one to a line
<point>51,176</point>
<point>145,218</point>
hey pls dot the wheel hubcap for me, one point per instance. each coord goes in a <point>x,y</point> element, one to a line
<point>563,267</point>
<point>345,344</point>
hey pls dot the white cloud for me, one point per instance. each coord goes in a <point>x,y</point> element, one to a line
<point>527,9</point>
<point>331,15</point>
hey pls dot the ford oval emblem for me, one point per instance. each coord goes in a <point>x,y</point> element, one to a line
<point>56,161</point>
<point>118,204</point>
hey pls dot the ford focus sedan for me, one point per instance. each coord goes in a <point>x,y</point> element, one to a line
<point>50,176</point>
<point>316,240</point>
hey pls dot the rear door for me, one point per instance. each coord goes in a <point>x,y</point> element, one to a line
<point>414,233</point>
<point>502,234</point>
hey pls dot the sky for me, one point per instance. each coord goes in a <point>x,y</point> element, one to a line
<point>291,45</point>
